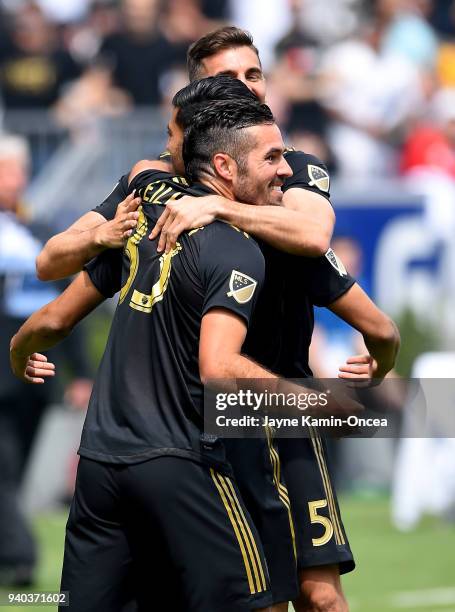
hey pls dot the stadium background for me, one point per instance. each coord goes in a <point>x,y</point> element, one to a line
<point>369,87</point>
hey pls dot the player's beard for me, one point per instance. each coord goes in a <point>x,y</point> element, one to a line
<point>248,192</point>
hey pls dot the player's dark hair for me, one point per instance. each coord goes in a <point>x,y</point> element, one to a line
<point>220,128</point>
<point>227,37</point>
<point>191,98</point>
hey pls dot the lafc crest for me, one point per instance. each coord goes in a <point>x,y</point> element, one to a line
<point>319,178</point>
<point>241,287</point>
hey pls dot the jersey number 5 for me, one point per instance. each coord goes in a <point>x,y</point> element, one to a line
<point>319,519</point>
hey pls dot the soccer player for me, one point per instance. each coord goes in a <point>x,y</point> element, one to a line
<point>153,493</point>
<point>292,286</point>
<point>303,226</point>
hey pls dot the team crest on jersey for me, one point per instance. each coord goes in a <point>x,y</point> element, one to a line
<point>319,177</point>
<point>336,262</point>
<point>241,287</point>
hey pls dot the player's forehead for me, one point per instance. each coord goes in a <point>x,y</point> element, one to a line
<point>234,61</point>
<point>173,125</point>
<point>267,137</point>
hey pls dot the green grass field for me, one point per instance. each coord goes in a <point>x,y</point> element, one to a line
<point>409,572</point>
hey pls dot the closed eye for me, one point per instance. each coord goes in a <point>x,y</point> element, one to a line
<point>254,75</point>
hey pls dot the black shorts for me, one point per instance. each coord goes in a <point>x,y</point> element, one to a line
<point>168,533</point>
<point>256,468</point>
<point>319,531</point>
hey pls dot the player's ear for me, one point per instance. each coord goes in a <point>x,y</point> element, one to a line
<point>224,166</point>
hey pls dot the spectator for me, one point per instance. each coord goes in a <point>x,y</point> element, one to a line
<point>33,65</point>
<point>90,97</point>
<point>267,21</point>
<point>86,37</point>
<point>408,33</point>
<point>372,96</point>
<point>295,89</point>
<point>431,145</point>
<point>21,406</point>
<point>428,163</point>
<point>183,22</point>
<point>140,54</point>
<point>329,21</point>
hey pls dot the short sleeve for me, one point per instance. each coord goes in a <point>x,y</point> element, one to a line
<point>308,173</point>
<point>325,278</point>
<point>232,270</point>
<point>108,207</point>
<point>105,272</point>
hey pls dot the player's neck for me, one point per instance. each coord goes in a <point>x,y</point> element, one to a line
<point>219,187</point>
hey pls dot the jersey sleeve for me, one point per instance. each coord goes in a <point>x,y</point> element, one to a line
<point>105,272</point>
<point>308,173</point>
<point>108,207</point>
<point>326,279</point>
<point>232,271</point>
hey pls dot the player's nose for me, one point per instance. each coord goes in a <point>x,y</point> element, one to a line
<point>284,169</point>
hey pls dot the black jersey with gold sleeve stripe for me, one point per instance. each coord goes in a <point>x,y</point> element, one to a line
<point>147,396</point>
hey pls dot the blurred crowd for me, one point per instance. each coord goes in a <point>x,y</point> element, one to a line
<point>368,86</point>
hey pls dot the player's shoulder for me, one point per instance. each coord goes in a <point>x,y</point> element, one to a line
<point>229,232</point>
<point>300,160</point>
<point>225,238</point>
<point>308,172</point>
<point>152,167</point>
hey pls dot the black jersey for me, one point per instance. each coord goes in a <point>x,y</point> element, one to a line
<point>147,397</point>
<point>293,285</point>
<point>280,334</point>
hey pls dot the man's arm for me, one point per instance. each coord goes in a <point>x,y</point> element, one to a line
<point>302,226</point>
<point>221,338</point>
<point>107,226</point>
<point>380,334</point>
<point>66,253</point>
<point>49,325</point>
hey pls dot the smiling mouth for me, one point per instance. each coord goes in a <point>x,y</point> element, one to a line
<point>276,184</point>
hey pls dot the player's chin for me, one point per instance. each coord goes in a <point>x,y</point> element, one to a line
<point>275,197</point>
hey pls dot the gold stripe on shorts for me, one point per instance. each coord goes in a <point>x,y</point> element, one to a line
<point>319,452</point>
<point>257,557</point>
<point>238,525</point>
<point>281,488</point>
